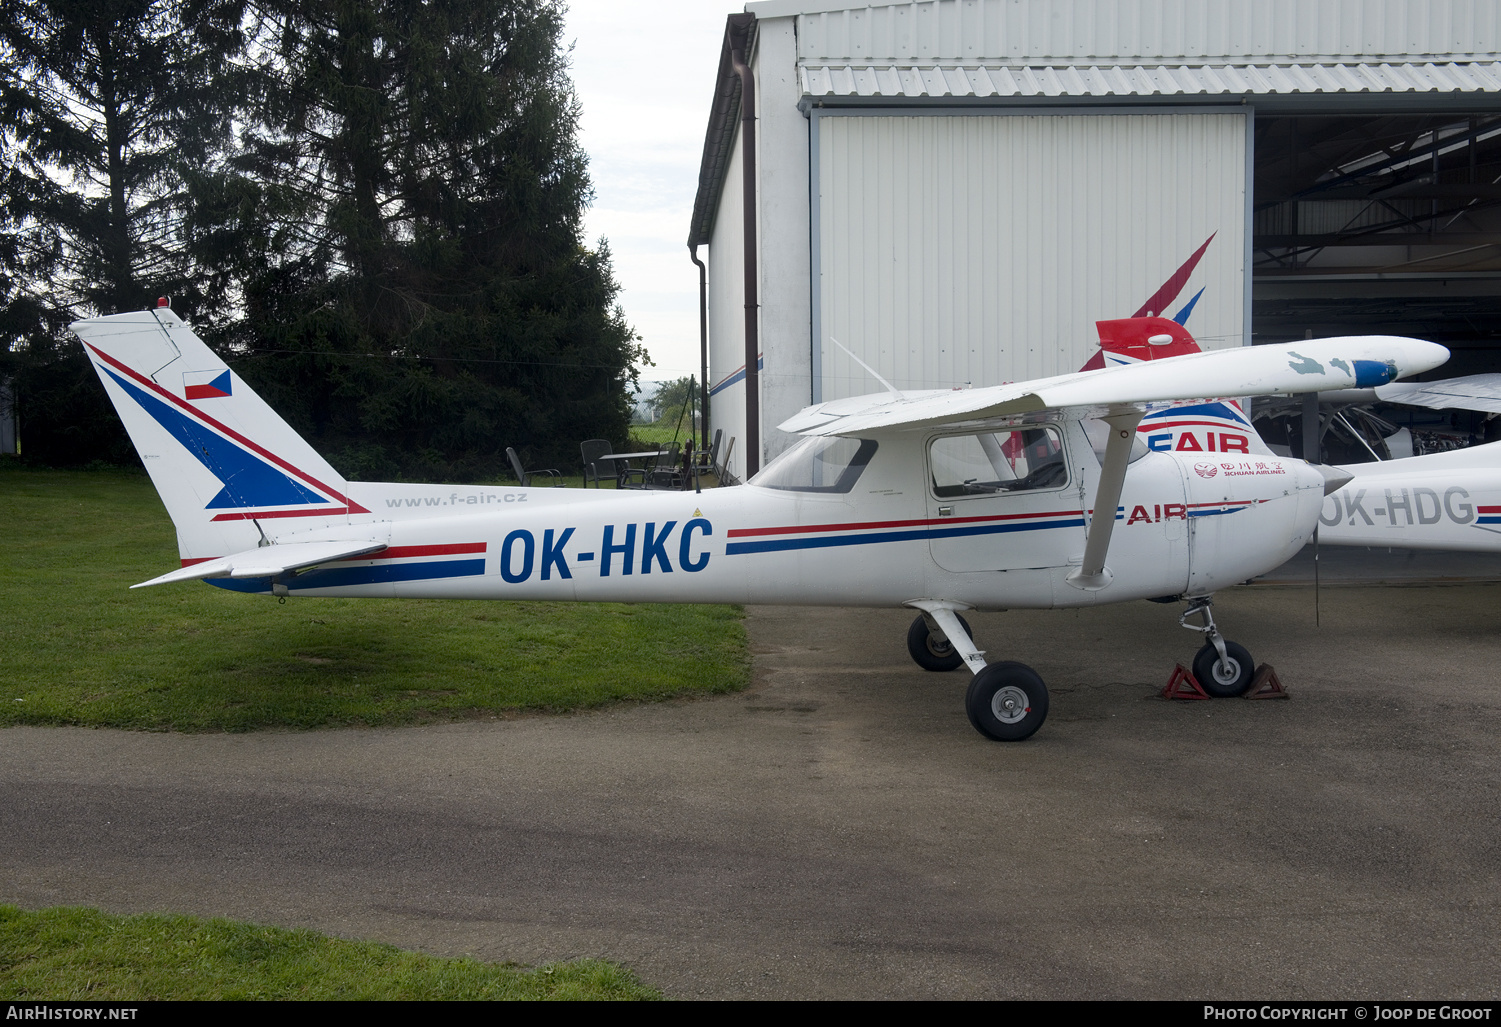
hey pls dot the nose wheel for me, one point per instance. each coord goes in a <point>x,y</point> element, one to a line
<point>1222,668</point>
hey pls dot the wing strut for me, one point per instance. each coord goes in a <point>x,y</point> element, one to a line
<point>1094,575</point>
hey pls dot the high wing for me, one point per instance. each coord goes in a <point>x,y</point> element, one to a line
<point>268,561</point>
<point>1118,395</point>
<point>1474,392</point>
<point>1316,366</point>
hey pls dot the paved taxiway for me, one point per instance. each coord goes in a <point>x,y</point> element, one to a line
<point>840,831</point>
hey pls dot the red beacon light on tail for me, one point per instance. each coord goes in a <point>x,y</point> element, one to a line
<point>164,301</point>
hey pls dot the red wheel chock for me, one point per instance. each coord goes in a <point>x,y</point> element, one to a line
<point>1266,685</point>
<point>1183,685</point>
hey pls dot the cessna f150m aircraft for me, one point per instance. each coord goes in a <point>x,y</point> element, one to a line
<point>940,501</point>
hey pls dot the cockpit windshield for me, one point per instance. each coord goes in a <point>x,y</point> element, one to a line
<point>830,464</point>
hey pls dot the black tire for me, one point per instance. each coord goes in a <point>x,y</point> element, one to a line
<point>997,687</point>
<point>931,652</point>
<point>1224,682</point>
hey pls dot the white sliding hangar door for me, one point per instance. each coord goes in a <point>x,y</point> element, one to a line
<point>981,247</point>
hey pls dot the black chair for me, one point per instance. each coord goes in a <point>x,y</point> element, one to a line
<point>592,450</point>
<point>665,472</point>
<point>706,461</point>
<point>628,477</point>
<point>525,476</point>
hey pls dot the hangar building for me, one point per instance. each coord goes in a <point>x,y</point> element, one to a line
<point>955,190</point>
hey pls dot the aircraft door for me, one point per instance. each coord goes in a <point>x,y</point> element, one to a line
<point>1003,499</point>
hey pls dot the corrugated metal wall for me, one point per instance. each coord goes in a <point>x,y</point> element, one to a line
<point>982,249</point>
<point>726,262</point>
<point>1091,31</point>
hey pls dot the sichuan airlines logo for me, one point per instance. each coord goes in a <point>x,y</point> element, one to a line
<point>1206,470</point>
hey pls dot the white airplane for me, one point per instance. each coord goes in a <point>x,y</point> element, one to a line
<point>1447,501</point>
<point>938,501</point>
<point>1438,501</point>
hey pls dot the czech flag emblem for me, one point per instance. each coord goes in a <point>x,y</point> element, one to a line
<point>206,384</point>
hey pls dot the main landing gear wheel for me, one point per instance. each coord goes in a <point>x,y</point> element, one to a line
<point>932,652</point>
<point>1227,678</point>
<point>1007,702</point>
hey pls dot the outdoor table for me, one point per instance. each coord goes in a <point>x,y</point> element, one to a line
<point>627,457</point>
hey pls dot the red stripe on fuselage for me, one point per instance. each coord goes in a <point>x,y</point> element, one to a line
<point>803,529</point>
<point>266,515</point>
<point>242,440</point>
<point>389,553</point>
<point>400,552</point>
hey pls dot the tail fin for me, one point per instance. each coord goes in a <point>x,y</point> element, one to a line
<point>1218,427</point>
<point>221,459</point>
<point>1129,340</point>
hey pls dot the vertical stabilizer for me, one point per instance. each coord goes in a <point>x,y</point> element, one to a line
<point>227,467</point>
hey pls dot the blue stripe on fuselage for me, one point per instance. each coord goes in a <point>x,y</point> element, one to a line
<point>344,577</point>
<point>826,541</point>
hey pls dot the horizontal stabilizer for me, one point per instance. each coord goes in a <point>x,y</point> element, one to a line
<point>1300,367</point>
<point>1475,392</point>
<point>269,561</point>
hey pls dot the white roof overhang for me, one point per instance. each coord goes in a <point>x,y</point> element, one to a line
<point>857,82</point>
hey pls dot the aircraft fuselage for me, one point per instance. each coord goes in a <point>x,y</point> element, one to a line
<point>1184,526</point>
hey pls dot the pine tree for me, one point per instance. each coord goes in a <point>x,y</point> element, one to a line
<point>416,193</point>
<point>105,105</point>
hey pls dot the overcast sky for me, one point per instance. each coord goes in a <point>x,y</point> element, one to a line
<point>644,71</point>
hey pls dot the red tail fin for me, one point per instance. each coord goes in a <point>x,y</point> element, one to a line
<point>1130,337</point>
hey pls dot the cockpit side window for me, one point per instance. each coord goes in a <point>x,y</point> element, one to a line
<point>1011,460</point>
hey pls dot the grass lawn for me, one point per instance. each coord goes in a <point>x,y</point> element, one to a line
<point>78,647</point>
<point>67,954</point>
<point>661,433</point>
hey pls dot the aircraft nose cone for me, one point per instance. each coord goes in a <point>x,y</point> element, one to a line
<point>1335,478</point>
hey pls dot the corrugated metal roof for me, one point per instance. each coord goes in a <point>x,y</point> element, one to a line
<point>853,80</point>
<point>1145,32</point>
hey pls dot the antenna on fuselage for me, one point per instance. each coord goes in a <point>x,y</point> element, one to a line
<point>895,392</point>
